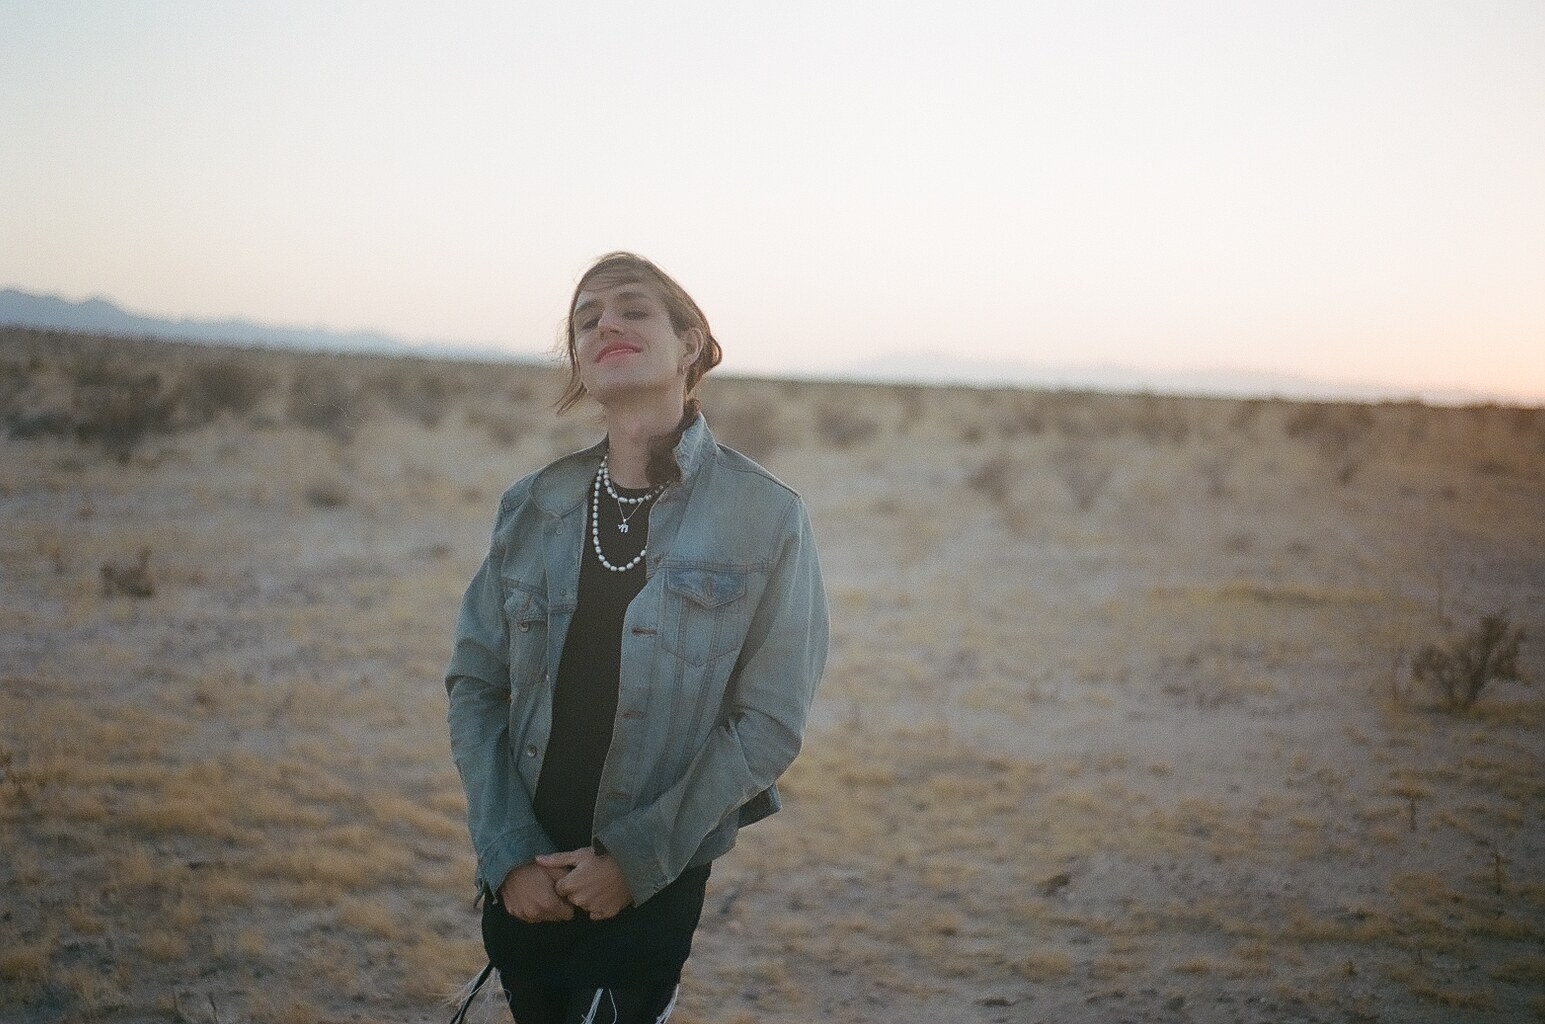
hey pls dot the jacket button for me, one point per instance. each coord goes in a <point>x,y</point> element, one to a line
<point>524,627</point>
<point>531,750</point>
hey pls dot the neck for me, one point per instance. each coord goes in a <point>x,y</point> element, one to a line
<point>629,429</point>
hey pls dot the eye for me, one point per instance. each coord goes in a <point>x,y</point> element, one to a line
<point>587,324</point>
<point>637,314</point>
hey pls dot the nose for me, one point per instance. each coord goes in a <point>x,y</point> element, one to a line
<point>609,321</point>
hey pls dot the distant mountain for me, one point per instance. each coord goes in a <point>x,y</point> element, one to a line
<point>99,316</point>
<point>938,368</point>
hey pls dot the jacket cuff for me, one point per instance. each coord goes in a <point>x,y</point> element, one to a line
<point>644,874</point>
<point>508,852</point>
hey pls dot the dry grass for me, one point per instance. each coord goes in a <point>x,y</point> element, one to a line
<point>1128,731</point>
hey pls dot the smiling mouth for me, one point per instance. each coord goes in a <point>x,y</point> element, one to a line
<point>613,349</point>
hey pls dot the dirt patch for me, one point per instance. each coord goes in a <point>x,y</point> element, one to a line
<point>1120,721</point>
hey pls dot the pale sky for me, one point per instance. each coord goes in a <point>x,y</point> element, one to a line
<point>1342,190</point>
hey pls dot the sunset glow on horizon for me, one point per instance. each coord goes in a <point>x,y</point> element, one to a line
<point>1350,192</point>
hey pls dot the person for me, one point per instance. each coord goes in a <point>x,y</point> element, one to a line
<point>633,666</point>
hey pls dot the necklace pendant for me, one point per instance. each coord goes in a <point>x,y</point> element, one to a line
<point>623,527</point>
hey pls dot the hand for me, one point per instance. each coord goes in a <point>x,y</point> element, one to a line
<point>528,892</point>
<point>591,881</point>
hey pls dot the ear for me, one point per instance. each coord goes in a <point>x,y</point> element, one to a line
<point>692,341</point>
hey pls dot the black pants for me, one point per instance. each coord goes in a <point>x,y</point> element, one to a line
<point>531,1003</point>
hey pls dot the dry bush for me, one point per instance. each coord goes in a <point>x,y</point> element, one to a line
<point>118,408</point>
<point>417,390</point>
<point>1340,431</point>
<point>1246,412</point>
<point>754,427</point>
<point>1021,413</point>
<point>504,427</point>
<point>224,385</point>
<point>129,579</point>
<point>841,426</point>
<point>328,493</point>
<point>1460,669</point>
<point>1083,475</point>
<point>1214,469</point>
<point>1159,420</point>
<point>321,398</point>
<point>1332,425</point>
<point>993,479</point>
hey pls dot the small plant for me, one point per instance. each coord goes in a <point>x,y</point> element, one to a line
<point>842,428</point>
<point>7,762</point>
<point>327,493</point>
<point>324,400</point>
<point>1084,477</point>
<point>992,478</point>
<point>119,407</point>
<point>225,385</point>
<point>754,428</point>
<point>128,579</point>
<point>1461,670</point>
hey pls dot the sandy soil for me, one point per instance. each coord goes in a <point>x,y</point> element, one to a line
<point>1120,722</point>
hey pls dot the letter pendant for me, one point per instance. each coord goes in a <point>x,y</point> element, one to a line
<point>623,527</point>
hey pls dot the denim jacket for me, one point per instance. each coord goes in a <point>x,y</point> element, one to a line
<point>721,653</point>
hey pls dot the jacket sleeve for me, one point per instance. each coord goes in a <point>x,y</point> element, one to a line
<point>504,829</point>
<point>760,728</point>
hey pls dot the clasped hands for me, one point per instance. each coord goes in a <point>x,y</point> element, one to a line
<point>550,887</point>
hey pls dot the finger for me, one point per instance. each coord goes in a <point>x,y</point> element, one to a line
<point>544,910</point>
<point>558,911</point>
<point>559,860</point>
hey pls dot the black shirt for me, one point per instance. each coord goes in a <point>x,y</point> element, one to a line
<point>585,695</point>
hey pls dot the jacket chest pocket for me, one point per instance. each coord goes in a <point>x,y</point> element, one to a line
<point>706,612</point>
<point>525,614</point>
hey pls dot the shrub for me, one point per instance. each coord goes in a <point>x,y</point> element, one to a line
<point>130,579</point>
<point>119,407</point>
<point>328,493</point>
<point>1160,420</point>
<point>1461,670</point>
<point>417,392</point>
<point>992,478</point>
<point>754,428</point>
<point>225,385</point>
<point>1334,426</point>
<point>842,428</point>
<point>324,400</point>
<point>1084,478</point>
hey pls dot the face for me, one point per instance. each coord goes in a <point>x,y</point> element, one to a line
<point>625,342</point>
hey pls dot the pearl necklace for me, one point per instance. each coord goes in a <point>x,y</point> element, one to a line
<point>637,503</point>
<point>603,479</point>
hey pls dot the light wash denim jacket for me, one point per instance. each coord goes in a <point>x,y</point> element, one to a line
<point>721,653</point>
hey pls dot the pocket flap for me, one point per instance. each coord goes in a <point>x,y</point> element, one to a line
<point>708,588</point>
<point>523,607</point>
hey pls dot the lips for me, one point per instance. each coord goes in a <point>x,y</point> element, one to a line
<point>615,348</point>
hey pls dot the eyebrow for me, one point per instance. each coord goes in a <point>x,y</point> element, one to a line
<point>587,305</point>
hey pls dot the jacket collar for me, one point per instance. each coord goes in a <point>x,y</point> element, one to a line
<point>562,486</point>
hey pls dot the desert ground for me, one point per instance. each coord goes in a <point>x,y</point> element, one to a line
<point>1121,721</point>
